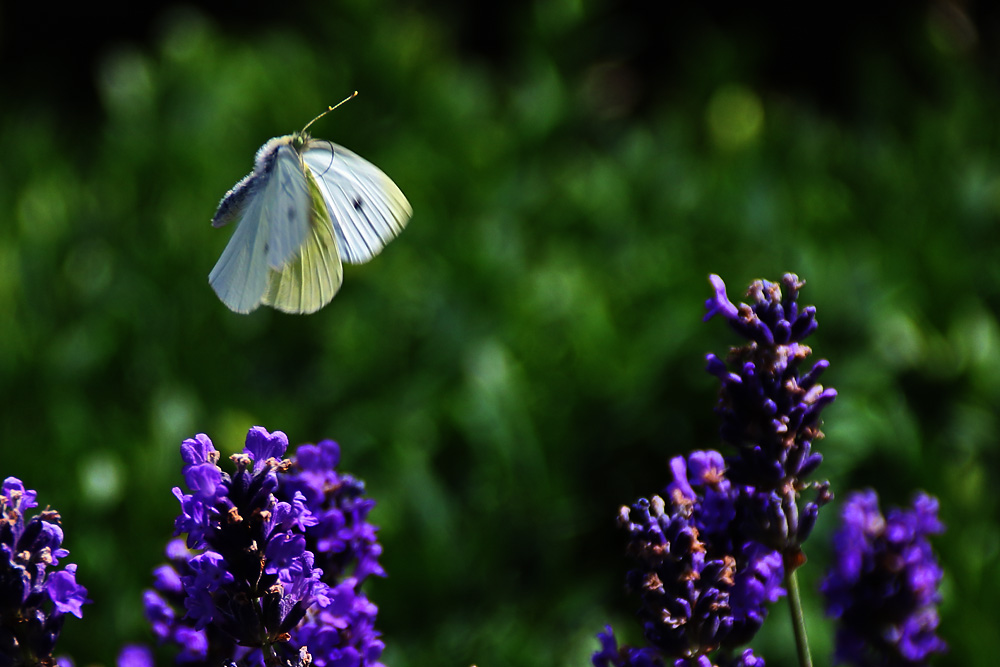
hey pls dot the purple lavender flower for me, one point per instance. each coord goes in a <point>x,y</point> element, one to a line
<point>263,574</point>
<point>253,579</point>
<point>883,586</point>
<point>135,655</point>
<point>165,612</point>
<point>342,539</point>
<point>346,546</point>
<point>715,507</point>
<point>735,577</point>
<point>770,411</point>
<point>704,584</point>
<point>612,656</point>
<point>34,596</point>
<point>713,552</point>
<point>744,659</point>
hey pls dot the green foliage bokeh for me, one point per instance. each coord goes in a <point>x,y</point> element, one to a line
<point>529,354</point>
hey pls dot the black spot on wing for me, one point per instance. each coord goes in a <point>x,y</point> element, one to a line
<point>357,203</point>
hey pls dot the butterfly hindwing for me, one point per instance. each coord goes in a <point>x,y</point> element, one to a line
<point>310,281</point>
<point>367,210</point>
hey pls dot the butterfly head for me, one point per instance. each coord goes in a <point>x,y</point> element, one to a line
<point>299,140</point>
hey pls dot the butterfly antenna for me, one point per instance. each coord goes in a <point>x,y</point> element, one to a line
<point>329,109</point>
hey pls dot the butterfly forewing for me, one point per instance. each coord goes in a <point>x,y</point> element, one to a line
<point>287,203</point>
<point>240,275</point>
<point>366,208</point>
<point>233,205</point>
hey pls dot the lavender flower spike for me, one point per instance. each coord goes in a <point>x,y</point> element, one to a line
<point>883,586</point>
<point>704,584</point>
<point>34,596</point>
<point>253,579</point>
<point>264,573</point>
<point>770,410</point>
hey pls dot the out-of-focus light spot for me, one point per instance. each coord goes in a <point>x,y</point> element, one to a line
<point>488,367</point>
<point>185,33</point>
<point>173,416</point>
<point>42,210</point>
<point>539,101</point>
<point>101,479</point>
<point>125,81</point>
<point>735,116</point>
<point>900,341</point>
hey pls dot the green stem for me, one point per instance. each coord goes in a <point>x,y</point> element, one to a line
<point>798,619</point>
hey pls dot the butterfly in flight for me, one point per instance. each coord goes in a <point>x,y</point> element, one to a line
<point>307,207</point>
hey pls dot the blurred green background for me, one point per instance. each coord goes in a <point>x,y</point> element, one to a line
<point>529,354</point>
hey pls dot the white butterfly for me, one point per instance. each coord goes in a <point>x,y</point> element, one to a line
<point>307,206</point>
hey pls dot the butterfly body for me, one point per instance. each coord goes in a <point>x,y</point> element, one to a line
<point>307,206</point>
